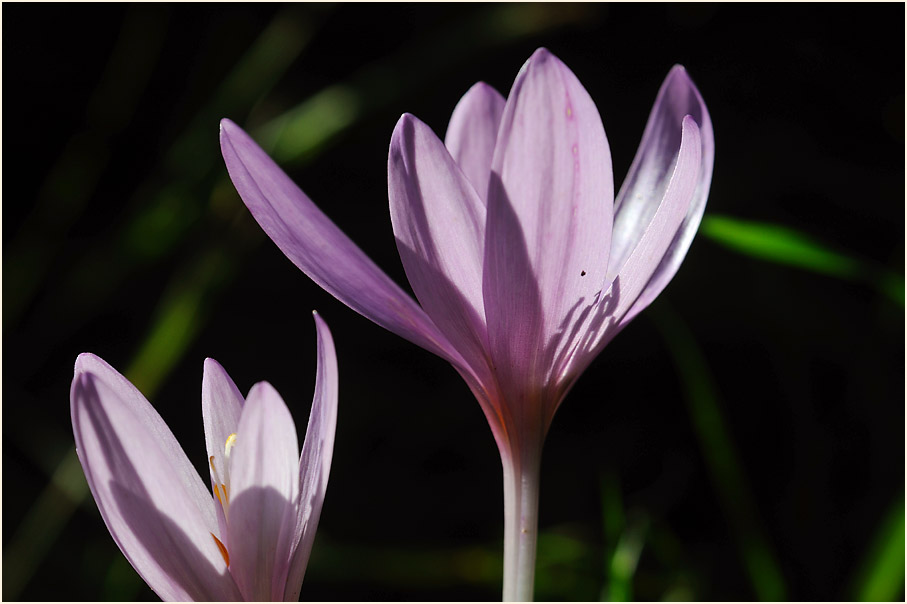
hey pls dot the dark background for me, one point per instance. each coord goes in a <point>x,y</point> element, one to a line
<point>742,440</point>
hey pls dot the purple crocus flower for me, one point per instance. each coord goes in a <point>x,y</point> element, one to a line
<point>250,540</point>
<point>523,262</point>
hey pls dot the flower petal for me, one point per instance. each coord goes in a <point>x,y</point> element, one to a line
<point>549,218</point>
<point>472,131</point>
<point>315,460</point>
<point>439,223</point>
<point>649,176</point>
<point>649,252</point>
<point>319,248</point>
<point>264,485</point>
<point>221,409</point>
<point>150,496</point>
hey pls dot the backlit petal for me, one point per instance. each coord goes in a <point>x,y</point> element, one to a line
<point>472,131</point>
<point>221,408</point>
<point>264,485</point>
<point>150,496</point>
<point>649,175</point>
<point>646,256</point>
<point>549,219</point>
<point>439,223</point>
<point>315,460</point>
<point>319,248</point>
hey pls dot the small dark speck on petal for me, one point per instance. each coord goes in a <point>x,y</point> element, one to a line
<point>582,274</point>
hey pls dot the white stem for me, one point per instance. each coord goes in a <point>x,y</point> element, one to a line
<point>521,504</point>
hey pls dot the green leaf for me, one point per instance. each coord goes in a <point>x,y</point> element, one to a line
<point>881,576</point>
<point>777,243</point>
<point>784,245</point>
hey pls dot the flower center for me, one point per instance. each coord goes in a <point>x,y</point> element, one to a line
<point>222,489</point>
<point>222,484</point>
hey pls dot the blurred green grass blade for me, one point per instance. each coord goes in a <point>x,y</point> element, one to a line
<point>178,320</point>
<point>777,243</point>
<point>727,474</point>
<point>881,576</point>
<point>301,132</point>
<point>784,245</point>
<point>195,153</point>
<point>893,286</point>
<point>612,507</point>
<point>624,560</point>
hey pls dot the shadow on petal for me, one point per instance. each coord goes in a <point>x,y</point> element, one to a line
<point>263,525</point>
<point>160,550</point>
<point>170,547</point>
<point>515,315</point>
<point>448,306</point>
<point>534,372</point>
<point>590,331</point>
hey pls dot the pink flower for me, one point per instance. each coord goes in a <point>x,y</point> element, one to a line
<point>523,262</point>
<point>251,539</point>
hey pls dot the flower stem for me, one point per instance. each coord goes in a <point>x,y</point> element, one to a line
<point>521,504</point>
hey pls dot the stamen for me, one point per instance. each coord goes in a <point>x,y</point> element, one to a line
<point>228,446</point>
<point>214,471</point>
<point>220,488</point>
<point>222,548</point>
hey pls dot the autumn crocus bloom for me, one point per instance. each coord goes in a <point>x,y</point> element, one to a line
<point>523,262</point>
<point>251,539</point>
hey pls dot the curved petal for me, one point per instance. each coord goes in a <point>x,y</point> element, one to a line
<point>319,248</point>
<point>472,131</point>
<point>150,496</point>
<point>315,460</point>
<point>609,316</point>
<point>549,218</point>
<point>649,176</point>
<point>221,409</point>
<point>439,223</point>
<point>264,486</point>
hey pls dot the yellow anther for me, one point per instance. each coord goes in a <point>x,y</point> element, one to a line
<point>222,548</point>
<point>231,442</point>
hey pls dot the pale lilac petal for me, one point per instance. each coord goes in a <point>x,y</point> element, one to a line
<point>439,223</point>
<point>221,408</point>
<point>319,248</point>
<point>264,486</point>
<point>549,218</point>
<point>472,131</point>
<point>315,460</point>
<point>649,176</point>
<point>646,257</point>
<point>150,496</point>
